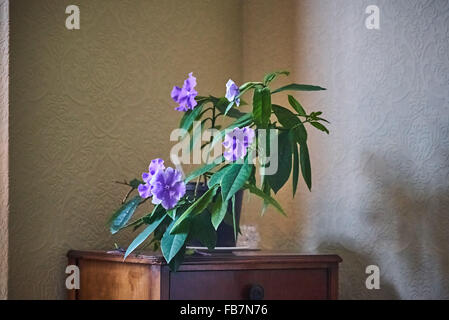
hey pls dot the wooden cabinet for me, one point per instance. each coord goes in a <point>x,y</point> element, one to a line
<point>238,275</point>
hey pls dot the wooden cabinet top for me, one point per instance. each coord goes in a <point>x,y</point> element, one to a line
<point>235,257</point>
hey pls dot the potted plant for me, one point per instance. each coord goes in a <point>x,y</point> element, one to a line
<point>204,206</point>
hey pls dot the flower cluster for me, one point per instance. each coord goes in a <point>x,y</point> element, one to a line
<point>185,96</point>
<point>164,184</point>
<point>237,142</point>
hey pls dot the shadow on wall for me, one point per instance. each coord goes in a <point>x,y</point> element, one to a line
<point>412,228</point>
<point>353,267</point>
<point>381,179</point>
<point>407,223</point>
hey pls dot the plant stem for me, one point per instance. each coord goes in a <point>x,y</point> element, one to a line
<point>214,118</point>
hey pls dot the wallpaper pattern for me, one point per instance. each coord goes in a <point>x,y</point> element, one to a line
<point>381,178</point>
<point>91,104</point>
<point>4,136</point>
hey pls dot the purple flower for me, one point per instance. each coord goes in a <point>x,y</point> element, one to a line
<point>232,91</point>
<point>237,143</point>
<point>168,188</point>
<point>147,177</point>
<point>185,96</point>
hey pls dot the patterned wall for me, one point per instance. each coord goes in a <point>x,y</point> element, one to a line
<point>92,105</point>
<point>381,179</point>
<point>4,136</point>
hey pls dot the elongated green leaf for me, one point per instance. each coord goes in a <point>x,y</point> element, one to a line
<point>235,178</point>
<point>172,243</point>
<point>287,118</point>
<point>296,105</point>
<point>202,170</point>
<point>257,106</point>
<point>234,224</point>
<point>266,189</point>
<point>178,259</point>
<point>195,137</point>
<point>266,106</point>
<point>278,180</point>
<point>156,221</point>
<point>218,212</point>
<point>222,105</point>
<point>195,209</point>
<point>319,126</point>
<point>203,231</point>
<point>230,105</point>
<point>271,76</point>
<point>295,166</point>
<point>298,87</point>
<point>216,177</point>
<point>253,189</point>
<point>290,121</point>
<point>305,164</point>
<point>189,117</point>
<point>123,214</point>
<point>262,107</point>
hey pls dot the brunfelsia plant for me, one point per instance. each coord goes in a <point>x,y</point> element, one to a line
<point>178,217</point>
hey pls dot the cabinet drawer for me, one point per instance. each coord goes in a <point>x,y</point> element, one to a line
<point>241,284</point>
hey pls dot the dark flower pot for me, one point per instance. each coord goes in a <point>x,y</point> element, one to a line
<point>225,232</point>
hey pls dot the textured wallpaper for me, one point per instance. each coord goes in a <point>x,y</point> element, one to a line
<point>381,179</point>
<point>4,137</point>
<point>91,106</point>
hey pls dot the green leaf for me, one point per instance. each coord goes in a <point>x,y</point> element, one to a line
<point>230,105</point>
<point>123,214</point>
<point>252,177</point>
<point>134,183</point>
<point>296,105</point>
<point>305,164</point>
<point>178,259</point>
<point>253,189</point>
<point>172,213</point>
<point>282,174</point>
<point>295,167</point>
<point>290,121</point>
<point>234,224</point>
<point>222,105</point>
<point>216,177</point>
<point>235,178</point>
<point>298,87</point>
<point>266,106</point>
<point>267,190</point>
<point>271,76</point>
<point>319,126</point>
<point>218,212</point>
<point>287,118</point>
<point>172,243</point>
<point>155,222</point>
<point>189,117</point>
<point>321,119</point>
<point>262,107</point>
<point>203,231</point>
<point>257,106</point>
<point>195,137</point>
<point>196,208</point>
<point>202,170</point>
